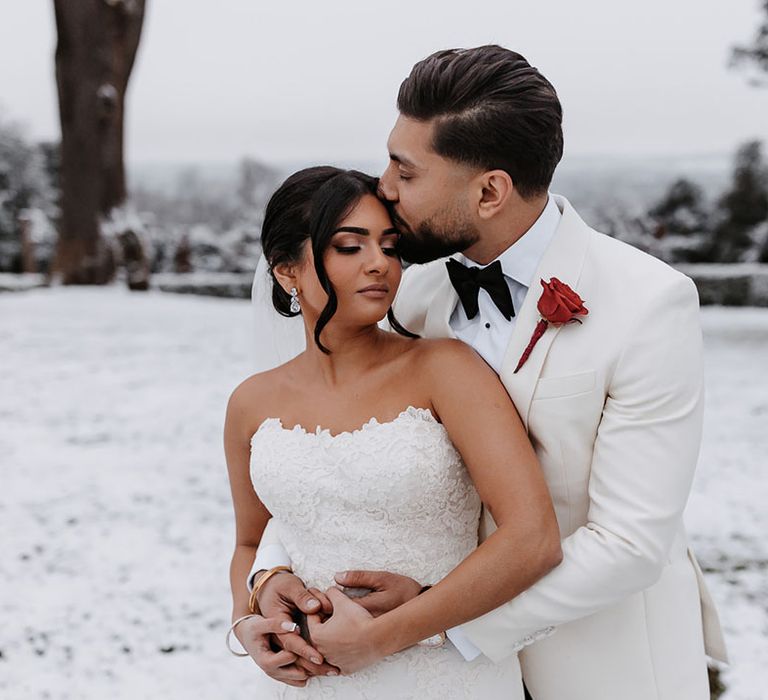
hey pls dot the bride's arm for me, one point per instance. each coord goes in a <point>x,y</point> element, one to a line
<point>484,426</point>
<point>251,517</point>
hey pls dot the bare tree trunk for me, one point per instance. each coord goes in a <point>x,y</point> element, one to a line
<point>97,42</point>
<point>28,261</point>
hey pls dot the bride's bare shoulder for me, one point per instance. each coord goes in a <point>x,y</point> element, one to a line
<point>448,354</point>
<point>251,401</point>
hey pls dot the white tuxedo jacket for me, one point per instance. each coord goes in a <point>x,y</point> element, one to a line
<point>614,408</point>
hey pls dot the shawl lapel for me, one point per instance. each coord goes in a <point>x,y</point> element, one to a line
<point>564,259</point>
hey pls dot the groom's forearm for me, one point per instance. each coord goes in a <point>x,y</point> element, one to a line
<point>599,569</point>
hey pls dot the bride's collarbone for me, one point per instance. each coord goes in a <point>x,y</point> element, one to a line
<point>297,396</point>
<point>344,414</point>
<point>345,409</point>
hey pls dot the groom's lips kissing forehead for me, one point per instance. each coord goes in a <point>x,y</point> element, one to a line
<point>399,222</point>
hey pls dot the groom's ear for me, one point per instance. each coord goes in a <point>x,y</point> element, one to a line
<point>496,189</point>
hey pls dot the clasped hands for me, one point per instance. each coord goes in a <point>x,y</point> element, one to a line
<point>340,628</point>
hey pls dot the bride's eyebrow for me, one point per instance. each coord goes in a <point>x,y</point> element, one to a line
<point>364,231</point>
<point>353,229</point>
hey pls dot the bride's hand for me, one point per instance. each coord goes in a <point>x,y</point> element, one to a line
<point>254,635</point>
<point>345,638</point>
<point>388,591</point>
<point>280,598</point>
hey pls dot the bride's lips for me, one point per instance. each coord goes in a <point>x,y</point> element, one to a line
<point>375,291</point>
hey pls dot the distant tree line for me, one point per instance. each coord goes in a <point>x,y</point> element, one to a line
<point>682,226</point>
<point>196,225</point>
<point>735,228</point>
<point>200,225</point>
<point>754,56</point>
<point>29,201</point>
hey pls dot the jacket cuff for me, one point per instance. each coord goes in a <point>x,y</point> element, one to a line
<point>267,557</point>
<point>463,644</point>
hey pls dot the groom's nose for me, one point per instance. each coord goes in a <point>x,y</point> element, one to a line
<point>386,189</point>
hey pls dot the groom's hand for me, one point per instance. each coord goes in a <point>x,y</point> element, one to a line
<point>388,591</point>
<point>280,597</point>
<point>285,593</point>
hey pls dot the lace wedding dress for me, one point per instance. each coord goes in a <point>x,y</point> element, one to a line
<point>390,496</point>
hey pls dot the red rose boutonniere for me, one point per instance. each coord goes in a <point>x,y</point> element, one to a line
<point>557,305</point>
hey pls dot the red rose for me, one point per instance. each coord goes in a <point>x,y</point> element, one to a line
<point>557,305</point>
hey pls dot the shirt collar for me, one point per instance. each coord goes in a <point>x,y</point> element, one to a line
<point>521,259</point>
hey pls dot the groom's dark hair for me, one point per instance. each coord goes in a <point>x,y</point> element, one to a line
<point>492,109</point>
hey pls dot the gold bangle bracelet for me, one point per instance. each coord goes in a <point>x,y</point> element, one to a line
<point>253,603</point>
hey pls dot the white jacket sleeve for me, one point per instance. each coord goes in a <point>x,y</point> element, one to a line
<point>644,458</point>
<point>270,553</point>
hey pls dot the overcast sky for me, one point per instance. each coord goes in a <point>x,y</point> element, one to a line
<point>316,80</point>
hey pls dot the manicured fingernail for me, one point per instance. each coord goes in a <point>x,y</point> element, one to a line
<point>313,602</point>
<point>289,626</point>
<point>316,660</point>
<point>340,575</point>
<point>332,673</point>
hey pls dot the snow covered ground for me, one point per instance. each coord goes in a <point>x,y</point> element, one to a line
<point>114,506</point>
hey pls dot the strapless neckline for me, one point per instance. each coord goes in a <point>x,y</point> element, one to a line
<point>409,413</point>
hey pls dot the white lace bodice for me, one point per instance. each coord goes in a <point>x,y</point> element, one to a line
<point>391,496</point>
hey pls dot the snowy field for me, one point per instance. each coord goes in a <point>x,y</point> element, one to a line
<point>114,505</point>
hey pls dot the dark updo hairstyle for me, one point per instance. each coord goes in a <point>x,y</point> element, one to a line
<point>311,204</point>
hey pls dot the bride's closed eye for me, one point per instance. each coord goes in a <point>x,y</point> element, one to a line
<point>347,249</point>
<point>391,251</point>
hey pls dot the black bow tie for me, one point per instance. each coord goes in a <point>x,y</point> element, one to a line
<point>467,282</point>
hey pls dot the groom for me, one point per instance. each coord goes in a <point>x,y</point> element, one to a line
<point>613,405</point>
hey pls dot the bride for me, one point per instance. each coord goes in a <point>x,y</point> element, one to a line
<point>373,450</point>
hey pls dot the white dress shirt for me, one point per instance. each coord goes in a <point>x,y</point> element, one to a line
<point>489,333</point>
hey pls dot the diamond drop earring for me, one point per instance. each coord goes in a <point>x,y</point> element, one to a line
<point>295,305</point>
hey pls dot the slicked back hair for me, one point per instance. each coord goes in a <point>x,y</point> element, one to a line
<point>492,110</point>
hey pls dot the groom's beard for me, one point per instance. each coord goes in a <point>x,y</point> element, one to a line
<point>431,241</point>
